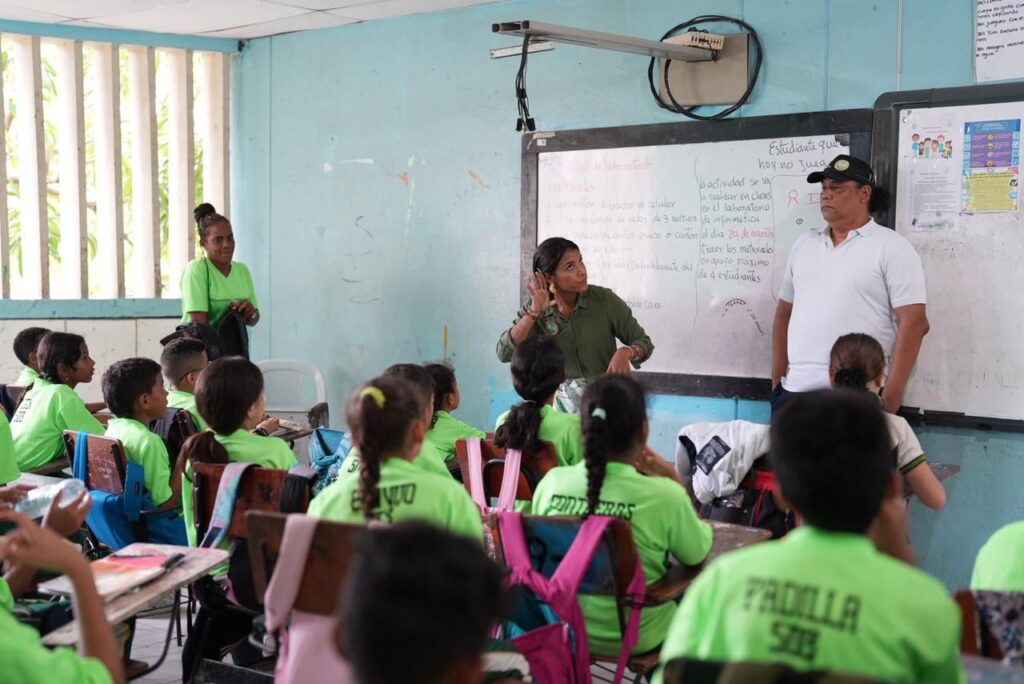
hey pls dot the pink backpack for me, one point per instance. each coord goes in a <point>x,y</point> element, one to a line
<point>509,478</point>
<point>558,651</point>
<point>306,644</point>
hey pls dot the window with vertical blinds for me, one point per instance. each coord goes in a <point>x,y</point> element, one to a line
<point>107,149</point>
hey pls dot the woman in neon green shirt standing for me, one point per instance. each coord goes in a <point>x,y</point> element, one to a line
<point>214,284</point>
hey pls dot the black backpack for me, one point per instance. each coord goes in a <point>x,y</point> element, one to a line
<point>752,504</point>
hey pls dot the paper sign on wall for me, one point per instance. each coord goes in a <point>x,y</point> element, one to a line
<point>991,165</point>
<point>998,40</point>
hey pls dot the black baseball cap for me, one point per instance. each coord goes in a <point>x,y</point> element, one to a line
<point>845,168</point>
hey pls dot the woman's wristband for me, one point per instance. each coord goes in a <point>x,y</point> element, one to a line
<point>262,432</point>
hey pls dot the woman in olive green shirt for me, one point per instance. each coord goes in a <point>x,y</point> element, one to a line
<point>214,284</point>
<point>584,321</point>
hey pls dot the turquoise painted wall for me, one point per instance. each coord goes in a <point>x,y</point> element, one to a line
<point>376,184</point>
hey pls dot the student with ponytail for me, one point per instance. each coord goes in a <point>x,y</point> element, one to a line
<point>229,397</point>
<point>388,418</point>
<point>444,429</point>
<point>621,477</point>
<point>857,362</point>
<point>538,369</point>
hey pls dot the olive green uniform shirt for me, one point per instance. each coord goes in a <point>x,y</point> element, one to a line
<point>38,426</point>
<point>587,336</point>
<point>406,493</point>
<point>1000,563</point>
<point>205,288</point>
<point>820,600</point>
<point>664,524</point>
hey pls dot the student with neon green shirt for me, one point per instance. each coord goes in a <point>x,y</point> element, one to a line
<point>23,658</point>
<point>134,391</point>
<point>229,396</point>
<point>388,419</point>
<point>26,348</point>
<point>8,465</point>
<point>823,597</point>
<point>444,429</point>
<point>52,406</point>
<point>430,457</point>
<point>182,360</point>
<point>613,480</point>
<point>538,369</point>
<point>214,284</point>
<point>999,565</point>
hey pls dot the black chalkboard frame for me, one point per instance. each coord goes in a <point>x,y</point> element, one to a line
<point>854,125</point>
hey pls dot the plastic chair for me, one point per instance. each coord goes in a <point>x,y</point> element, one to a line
<point>292,386</point>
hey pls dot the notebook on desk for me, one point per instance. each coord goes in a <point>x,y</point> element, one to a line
<point>118,574</point>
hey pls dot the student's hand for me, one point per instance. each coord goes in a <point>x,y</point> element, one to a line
<point>890,531</point>
<point>892,398</point>
<point>650,463</point>
<point>37,547</point>
<point>619,364</point>
<point>10,494</point>
<point>540,299</point>
<point>270,425</point>
<point>66,520</point>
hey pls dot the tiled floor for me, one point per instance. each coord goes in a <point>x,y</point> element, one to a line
<point>149,642</point>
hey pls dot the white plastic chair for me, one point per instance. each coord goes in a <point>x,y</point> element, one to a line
<point>292,386</point>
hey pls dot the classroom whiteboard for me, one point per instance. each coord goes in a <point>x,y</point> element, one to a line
<point>961,209</point>
<point>694,236</point>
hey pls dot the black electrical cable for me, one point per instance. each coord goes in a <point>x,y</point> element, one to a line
<point>525,121</point>
<point>689,111</point>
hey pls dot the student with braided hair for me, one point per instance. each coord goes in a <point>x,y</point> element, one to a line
<point>388,418</point>
<point>621,477</point>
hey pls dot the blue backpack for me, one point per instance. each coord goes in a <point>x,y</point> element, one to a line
<point>116,519</point>
<point>327,450</point>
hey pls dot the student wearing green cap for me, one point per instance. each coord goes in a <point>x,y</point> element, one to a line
<point>388,418</point>
<point>613,480</point>
<point>998,566</point>
<point>823,597</point>
<point>52,406</point>
<point>215,284</point>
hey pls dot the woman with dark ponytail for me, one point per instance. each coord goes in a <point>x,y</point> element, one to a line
<point>229,397</point>
<point>388,418</point>
<point>857,362</point>
<point>538,368</point>
<point>215,284</point>
<point>621,477</point>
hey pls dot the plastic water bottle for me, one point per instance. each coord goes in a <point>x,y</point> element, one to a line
<point>37,501</point>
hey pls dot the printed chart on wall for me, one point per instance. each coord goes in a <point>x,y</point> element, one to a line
<point>958,201</point>
<point>694,237</point>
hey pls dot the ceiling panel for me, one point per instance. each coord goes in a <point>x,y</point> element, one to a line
<point>225,18</point>
<point>304,22</point>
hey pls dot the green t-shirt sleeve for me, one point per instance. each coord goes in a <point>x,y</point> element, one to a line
<point>156,465</point>
<point>195,288</point>
<point>75,416</point>
<point>283,457</point>
<point>627,329</point>
<point>689,537</point>
<point>25,660</point>
<point>465,516</point>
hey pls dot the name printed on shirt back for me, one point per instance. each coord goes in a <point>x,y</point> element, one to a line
<point>577,506</point>
<point>806,608</point>
<point>391,497</point>
<point>26,404</point>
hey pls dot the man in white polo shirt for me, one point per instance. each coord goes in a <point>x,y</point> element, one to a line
<point>853,275</point>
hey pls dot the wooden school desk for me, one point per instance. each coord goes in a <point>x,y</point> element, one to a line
<point>197,563</point>
<point>37,480</point>
<point>726,537</point>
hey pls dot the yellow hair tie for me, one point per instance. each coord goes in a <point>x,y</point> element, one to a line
<point>376,393</point>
